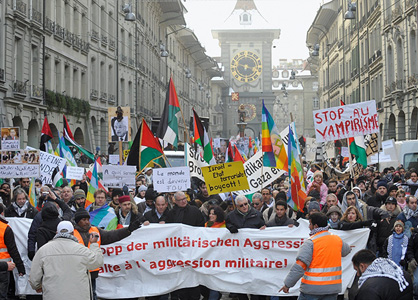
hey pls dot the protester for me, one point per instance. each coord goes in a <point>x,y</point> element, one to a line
<point>281,219</point>
<point>331,200</point>
<point>148,176</point>
<point>319,185</point>
<point>60,268</point>
<point>321,251</point>
<point>159,213</point>
<point>148,204</point>
<point>5,193</point>
<point>409,215</point>
<point>371,191</point>
<point>244,216</point>
<point>21,207</point>
<point>380,195</point>
<point>258,203</point>
<point>412,183</point>
<point>216,218</point>
<point>352,219</point>
<point>401,198</point>
<point>83,229</point>
<point>267,198</point>
<point>385,227</point>
<point>396,245</point>
<point>140,195</point>
<point>78,200</point>
<point>380,278</point>
<point>334,215</point>
<point>48,227</point>
<point>127,211</point>
<point>66,194</point>
<point>116,193</point>
<point>332,186</point>
<point>203,194</point>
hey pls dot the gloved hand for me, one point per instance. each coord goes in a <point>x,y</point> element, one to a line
<point>31,254</point>
<point>134,225</point>
<point>233,229</point>
<point>412,265</point>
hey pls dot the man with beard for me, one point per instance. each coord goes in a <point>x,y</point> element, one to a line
<point>409,216</point>
<point>381,194</point>
<point>83,230</point>
<point>332,186</point>
<point>380,278</point>
<point>78,201</point>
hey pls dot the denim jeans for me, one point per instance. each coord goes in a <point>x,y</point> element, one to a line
<point>93,287</point>
<point>303,296</point>
<point>4,284</point>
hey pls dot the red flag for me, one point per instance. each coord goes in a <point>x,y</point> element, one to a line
<point>46,134</point>
<point>67,130</point>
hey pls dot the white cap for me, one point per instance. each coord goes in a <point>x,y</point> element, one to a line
<point>65,227</point>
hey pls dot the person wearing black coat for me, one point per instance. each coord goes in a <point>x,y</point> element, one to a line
<point>21,207</point>
<point>185,213</point>
<point>64,211</point>
<point>244,216</point>
<point>159,214</point>
<point>50,221</point>
<point>380,196</point>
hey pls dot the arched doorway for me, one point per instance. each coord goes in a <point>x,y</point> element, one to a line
<point>391,130</point>
<point>17,122</point>
<point>413,126</point>
<point>79,137</point>
<point>33,134</point>
<point>401,126</point>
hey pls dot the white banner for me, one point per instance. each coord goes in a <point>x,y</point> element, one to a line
<point>166,257</point>
<point>171,179</point>
<point>194,161</point>
<point>346,121</point>
<point>48,163</point>
<point>75,173</point>
<point>258,175</point>
<point>19,171</point>
<point>118,176</point>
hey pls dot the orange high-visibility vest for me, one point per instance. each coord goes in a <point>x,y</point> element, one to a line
<point>80,239</point>
<point>325,268</point>
<point>4,254</point>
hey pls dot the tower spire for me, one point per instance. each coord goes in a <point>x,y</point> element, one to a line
<point>245,5</point>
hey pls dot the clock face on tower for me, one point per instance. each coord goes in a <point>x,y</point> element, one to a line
<point>246,66</point>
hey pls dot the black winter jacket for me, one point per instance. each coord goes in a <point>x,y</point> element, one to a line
<point>30,213</point>
<point>48,228</point>
<point>189,215</point>
<point>254,219</point>
<point>152,217</point>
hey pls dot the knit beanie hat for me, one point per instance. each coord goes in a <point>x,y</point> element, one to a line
<point>391,200</point>
<point>313,205</point>
<point>117,192</point>
<point>318,173</point>
<point>142,188</point>
<point>81,213</point>
<point>335,209</point>
<point>399,222</point>
<point>79,194</point>
<point>382,182</point>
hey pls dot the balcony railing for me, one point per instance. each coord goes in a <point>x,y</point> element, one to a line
<point>2,77</point>
<point>94,35</point>
<point>19,87</point>
<point>68,38</point>
<point>49,25</point>
<point>77,42</point>
<point>85,47</point>
<point>20,7</point>
<point>36,92</point>
<point>93,94</point>
<point>59,32</point>
<point>36,16</point>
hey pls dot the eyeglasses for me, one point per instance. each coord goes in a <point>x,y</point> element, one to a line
<point>183,199</point>
<point>242,205</point>
<point>256,203</point>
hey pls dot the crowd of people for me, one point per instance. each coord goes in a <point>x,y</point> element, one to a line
<point>385,202</point>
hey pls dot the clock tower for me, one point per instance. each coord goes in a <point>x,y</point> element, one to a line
<point>246,40</point>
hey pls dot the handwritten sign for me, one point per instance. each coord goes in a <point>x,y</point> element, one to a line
<point>19,171</point>
<point>114,159</point>
<point>171,179</point>
<point>118,176</point>
<point>10,138</point>
<point>195,162</point>
<point>226,177</point>
<point>75,173</point>
<point>48,163</point>
<point>346,121</point>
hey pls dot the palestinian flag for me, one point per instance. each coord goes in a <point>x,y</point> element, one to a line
<point>168,129</point>
<point>200,136</point>
<point>357,147</point>
<point>145,148</point>
<point>69,140</point>
<point>57,179</point>
<point>233,154</point>
<point>46,135</point>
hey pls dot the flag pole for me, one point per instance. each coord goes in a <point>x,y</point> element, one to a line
<point>350,161</point>
<point>185,127</point>
<point>140,143</point>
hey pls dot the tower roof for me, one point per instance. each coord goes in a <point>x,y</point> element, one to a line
<point>245,5</point>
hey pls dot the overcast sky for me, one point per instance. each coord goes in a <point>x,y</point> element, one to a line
<point>293,17</point>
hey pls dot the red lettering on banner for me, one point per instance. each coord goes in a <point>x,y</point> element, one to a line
<point>317,116</point>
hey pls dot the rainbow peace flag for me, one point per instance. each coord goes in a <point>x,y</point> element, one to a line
<point>93,186</point>
<point>274,150</point>
<point>32,193</point>
<point>297,189</point>
<point>104,217</point>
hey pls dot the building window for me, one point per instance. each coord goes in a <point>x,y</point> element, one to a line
<point>245,18</point>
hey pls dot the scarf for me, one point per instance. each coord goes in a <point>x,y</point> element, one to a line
<point>280,221</point>
<point>124,220</point>
<point>397,245</point>
<point>215,224</point>
<point>319,229</point>
<point>383,267</point>
<point>409,213</point>
<point>20,210</point>
<point>66,236</point>
<point>333,225</point>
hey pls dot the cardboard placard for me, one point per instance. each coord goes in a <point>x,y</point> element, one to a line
<point>10,138</point>
<point>118,176</point>
<point>48,163</point>
<point>227,177</point>
<point>75,173</point>
<point>171,179</point>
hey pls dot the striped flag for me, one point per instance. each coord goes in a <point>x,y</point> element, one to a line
<point>168,128</point>
<point>104,217</point>
<point>274,149</point>
<point>32,193</point>
<point>57,178</point>
<point>69,140</point>
<point>297,191</point>
<point>200,137</point>
<point>46,135</point>
<point>93,186</point>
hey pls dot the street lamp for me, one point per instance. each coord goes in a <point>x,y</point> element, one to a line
<point>129,15</point>
<point>188,73</point>
<point>315,51</point>
<point>349,14</point>
<point>164,52</point>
